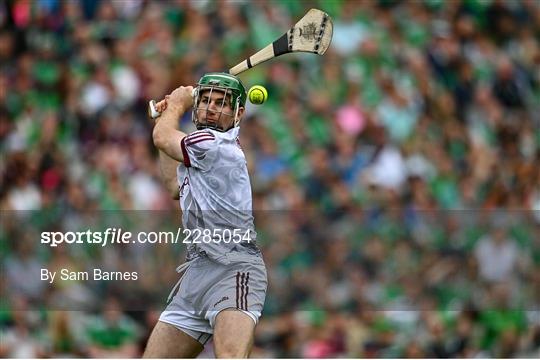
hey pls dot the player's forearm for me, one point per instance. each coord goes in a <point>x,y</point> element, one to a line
<point>168,167</point>
<point>166,135</point>
<point>167,122</point>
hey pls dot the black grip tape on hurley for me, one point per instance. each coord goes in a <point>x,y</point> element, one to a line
<point>281,45</point>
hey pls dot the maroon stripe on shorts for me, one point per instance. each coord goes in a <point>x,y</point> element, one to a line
<point>242,284</point>
<point>247,292</point>
<point>237,290</point>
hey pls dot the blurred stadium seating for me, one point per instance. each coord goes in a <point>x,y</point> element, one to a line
<point>396,179</point>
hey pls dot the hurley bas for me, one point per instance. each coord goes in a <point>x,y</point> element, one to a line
<point>95,274</point>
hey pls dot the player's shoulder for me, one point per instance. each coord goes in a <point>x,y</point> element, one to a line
<point>200,136</point>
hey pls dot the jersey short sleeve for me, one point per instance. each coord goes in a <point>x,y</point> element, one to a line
<point>198,149</point>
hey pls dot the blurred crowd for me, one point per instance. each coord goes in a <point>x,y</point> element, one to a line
<point>396,179</point>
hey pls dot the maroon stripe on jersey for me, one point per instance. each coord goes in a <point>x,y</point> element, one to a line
<point>196,136</point>
<point>185,155</point>
<point>199,132</point>
<point>198,141</point>
<point>193,136</point>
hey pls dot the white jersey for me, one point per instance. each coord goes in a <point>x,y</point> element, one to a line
<point>215,196</point>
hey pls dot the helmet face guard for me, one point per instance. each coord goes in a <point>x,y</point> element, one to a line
<point>234,97</point>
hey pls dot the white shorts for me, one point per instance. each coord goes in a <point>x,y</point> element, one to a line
<point>208,287</point>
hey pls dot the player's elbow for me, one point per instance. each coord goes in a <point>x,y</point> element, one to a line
<point>175,194</point>
<point>173,190</point>
<point>159,138</point>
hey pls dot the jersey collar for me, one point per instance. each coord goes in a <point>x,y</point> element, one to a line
<point>230,134</point>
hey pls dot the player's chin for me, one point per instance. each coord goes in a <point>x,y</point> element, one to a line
<point>208,121</point>
<point>222,123</point>
<point>212,123</point>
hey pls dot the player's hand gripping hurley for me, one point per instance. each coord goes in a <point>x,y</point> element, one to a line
<point>312,34</point>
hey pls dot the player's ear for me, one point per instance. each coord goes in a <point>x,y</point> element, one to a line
<point>241,110</point>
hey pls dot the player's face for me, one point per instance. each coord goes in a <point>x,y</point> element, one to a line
<point>215,109</point>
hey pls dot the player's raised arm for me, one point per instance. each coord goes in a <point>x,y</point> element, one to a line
<point>167,165</point>
<point>166,135</point>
